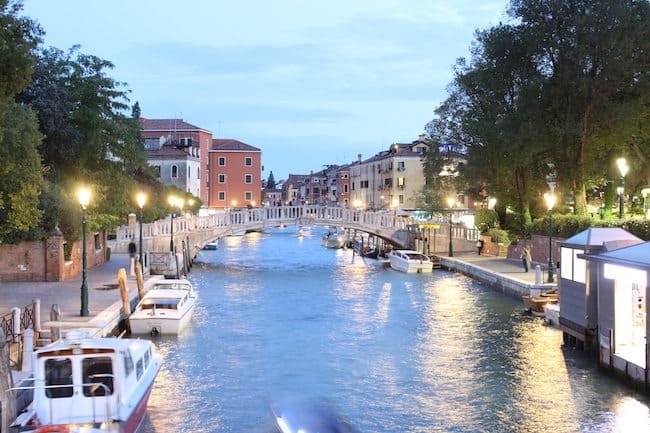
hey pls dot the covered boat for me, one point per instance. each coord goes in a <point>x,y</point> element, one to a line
<point>83,384</point>
<point>410,261</point>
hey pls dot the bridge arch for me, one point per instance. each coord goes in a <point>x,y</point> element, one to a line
<point>196,231</point>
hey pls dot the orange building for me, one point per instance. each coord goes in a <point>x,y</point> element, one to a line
<point>185,136</point>
<point>235,178</point>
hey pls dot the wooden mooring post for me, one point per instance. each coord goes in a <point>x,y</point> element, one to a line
<point>124,294</point>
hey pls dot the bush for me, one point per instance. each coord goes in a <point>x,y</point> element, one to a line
<point>499,236</point>
<point>565,226</point>
<point>486,219</point>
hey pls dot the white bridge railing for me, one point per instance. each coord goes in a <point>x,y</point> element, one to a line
<point>381,223</point>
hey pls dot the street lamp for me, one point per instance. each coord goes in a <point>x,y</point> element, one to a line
<point>623,168</point>
<point>491,203</point>
<point>172,201</point>
<point>550,202</point>
<point>84,199</point>
<point>450,202</point>
<point>395,203</point>
<point>141,198</point>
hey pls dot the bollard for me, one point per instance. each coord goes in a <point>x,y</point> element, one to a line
<point>16,319</point>
<point>55,316</point>
<point>538,275</point>
<point>28,349</point>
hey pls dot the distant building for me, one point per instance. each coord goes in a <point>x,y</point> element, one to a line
<point>174,135</point>
<point>175,165</point>
<point>294,191</point>
<point>343,185</point>
<point>235,178</point>
<point>392,176</point>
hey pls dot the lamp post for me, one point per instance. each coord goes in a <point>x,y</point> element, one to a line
<point>84,199</point>
<point>172,201</point>
<point>450,202</point>
<point>141,198</point>
<point>550,202</point>
<point>623,168</point>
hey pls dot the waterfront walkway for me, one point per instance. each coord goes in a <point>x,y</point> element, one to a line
<point>104,297</point>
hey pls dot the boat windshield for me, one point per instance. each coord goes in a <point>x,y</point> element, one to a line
<point>58,372</point>
<point>172,286</point>
<point>417,257</point>
<point>97,376</point>
<point>160,304</point>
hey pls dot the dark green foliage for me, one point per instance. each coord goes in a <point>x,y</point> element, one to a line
<point>499,236</point>
<point>19,37</point>
<point>21,173</point>
<point>270,182</point>
<point>486,219</point>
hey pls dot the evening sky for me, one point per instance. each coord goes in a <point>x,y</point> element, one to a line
<point>308,82</point>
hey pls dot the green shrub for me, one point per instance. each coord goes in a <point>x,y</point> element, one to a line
<point>499,236</point>
<point>565,226</point>
<point>486,219</point>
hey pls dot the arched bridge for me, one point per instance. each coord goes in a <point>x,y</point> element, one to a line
<point>196,231</point>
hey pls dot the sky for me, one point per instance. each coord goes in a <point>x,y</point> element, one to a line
<point>310,83</point>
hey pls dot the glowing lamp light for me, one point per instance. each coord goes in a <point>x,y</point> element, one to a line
<point>141,199</point>
<point>450,202</point>
<point>84,197</point>
<point>550,200</point>
<point>622,166</point>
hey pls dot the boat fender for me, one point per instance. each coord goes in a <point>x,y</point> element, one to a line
<point>52,429</point>
<point>155,331</point>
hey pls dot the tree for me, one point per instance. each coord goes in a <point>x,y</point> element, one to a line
<point>19,38</point>
<point>135,110</point>
<point>270,182</point>
<point>20,171</point>
<point>594,58</point>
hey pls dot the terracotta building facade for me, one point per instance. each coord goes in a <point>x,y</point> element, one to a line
<point>235,174</point>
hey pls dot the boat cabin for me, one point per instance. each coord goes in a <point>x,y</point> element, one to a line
<point>80,380</point>
<point>578,279</point>
<point>623,277</point>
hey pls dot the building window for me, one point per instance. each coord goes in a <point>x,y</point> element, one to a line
<point>248,196</point>
<point>198,172</point>
<point>156,170</point>
<point>248,178</point>
<point>401,181</point>
<point>401,166</point>
<point>222,161</point>
<point>174,171</point>
<point>401,199</point>
<point>222,195</point>
<point>248,161</point>
<point>222,178</point>
<point>345,188</point>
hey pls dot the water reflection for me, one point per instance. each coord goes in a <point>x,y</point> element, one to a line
<point>280,316</point>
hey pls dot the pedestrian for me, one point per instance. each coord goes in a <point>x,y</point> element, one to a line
<point>479,245</point>
<point>132,251</point>
<point>526,259</point>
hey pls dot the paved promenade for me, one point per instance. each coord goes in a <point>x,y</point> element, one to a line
<point>103,294</point>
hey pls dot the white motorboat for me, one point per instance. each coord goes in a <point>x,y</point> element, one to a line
<point>410,261</point>
<point>165,309</point>
<point>84,385</point>
<point>552,314</point>
<point>333,240</point>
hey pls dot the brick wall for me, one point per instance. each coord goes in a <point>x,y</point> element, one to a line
<point>44,260</point>
<point>538,249</point>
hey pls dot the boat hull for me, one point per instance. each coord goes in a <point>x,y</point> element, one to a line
<point>419,264</point>
<point>142,323</point>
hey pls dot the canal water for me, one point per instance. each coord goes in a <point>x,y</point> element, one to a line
<point>283,320</point>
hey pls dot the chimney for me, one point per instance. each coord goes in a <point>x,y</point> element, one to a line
<point>359,156</point>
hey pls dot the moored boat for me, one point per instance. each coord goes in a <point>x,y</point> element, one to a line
<point>84,385</point>
<point>333,240</point>
<point>535,303</point>
<point>165,309</point>
<point>409,261</point>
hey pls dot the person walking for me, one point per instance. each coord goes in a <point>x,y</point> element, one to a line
<point>132,251</point>
<point>526,258</point>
